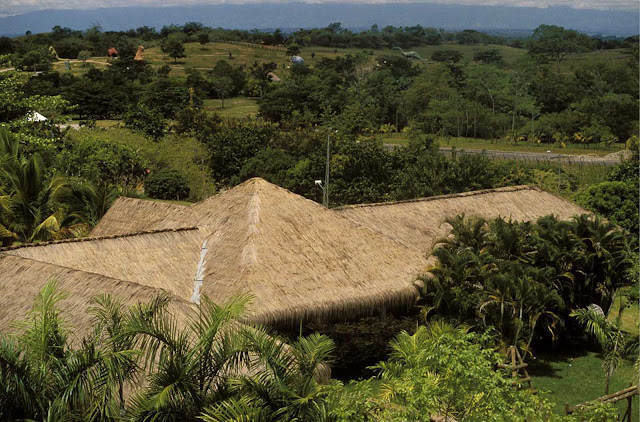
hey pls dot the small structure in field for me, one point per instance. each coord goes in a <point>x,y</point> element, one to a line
<point>296,60</point>
<point>273,77</point>
<point>112,53</point>
<point>34,116</point>
<point>139,54</point>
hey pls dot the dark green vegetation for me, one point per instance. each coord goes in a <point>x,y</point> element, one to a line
<point>525,279</point>
<point>565,88</point>
<point>617,198</point>
<point>215,369</point>
<point>167,184</point>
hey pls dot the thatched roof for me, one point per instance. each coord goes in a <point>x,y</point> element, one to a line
<point>298,259</point>
<point>131,215</point>
<point>419,223</point>
<point>22,278</point>
<point>162,260</point>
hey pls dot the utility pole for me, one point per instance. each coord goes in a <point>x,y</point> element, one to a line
<point>325,190</point>
<point>559,169</point>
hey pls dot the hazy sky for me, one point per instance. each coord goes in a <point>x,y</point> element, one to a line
<point>10,7</point>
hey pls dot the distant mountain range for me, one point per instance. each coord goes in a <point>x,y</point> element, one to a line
<point>305,15</point>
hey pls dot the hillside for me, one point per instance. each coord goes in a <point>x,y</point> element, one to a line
<point>246,54</point>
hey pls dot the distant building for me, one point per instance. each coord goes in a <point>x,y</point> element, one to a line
<point>273,77</point>
<point>297,60</point>
<point>34,116</point>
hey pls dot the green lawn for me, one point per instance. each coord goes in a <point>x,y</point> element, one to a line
<point>502,145</point>
<point>630,316</point>
<point>576,378</point>
<point>233,107</point>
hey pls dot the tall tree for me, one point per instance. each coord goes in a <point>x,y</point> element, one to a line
<point>551,42</point>
<point>173,45</point>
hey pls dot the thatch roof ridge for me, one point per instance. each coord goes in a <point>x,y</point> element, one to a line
<point>23,278</point>
<point>447,196</point>
<point>338,214</point>
<point>165,258</point>
<point>93,238</point>
<point>174,298</point>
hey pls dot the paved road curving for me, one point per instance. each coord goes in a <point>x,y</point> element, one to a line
<point>535,156</point>
<point>541,156</point>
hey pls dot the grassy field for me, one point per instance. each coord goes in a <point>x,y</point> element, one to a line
<point>576,378</point>
<point>630,316</point>
<point>105,124</point>
<point>199,58</point>
<point>233,107</point>
<point>509,54</point>
<point>204,58</point>
<point>240,53</point>
<point>77,67</point>
<point>502,145</point>
<point>572,61</point>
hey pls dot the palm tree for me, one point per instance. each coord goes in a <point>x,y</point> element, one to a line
<point>608,334</point>
<point>32,206</point>
<point>188,362</point>
<point>284,384</point>
<point>454,286</point>
<point>110,318</point>
<point>605,255</point>
<point>42,377</point>
<point>88,202</point>
<point>467,231</point>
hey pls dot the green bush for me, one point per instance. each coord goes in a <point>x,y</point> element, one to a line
<point>616,201</point>
<point>167,184</point>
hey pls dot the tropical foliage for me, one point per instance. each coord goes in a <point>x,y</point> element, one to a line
<point>141,362</point>
<point>525,278</point>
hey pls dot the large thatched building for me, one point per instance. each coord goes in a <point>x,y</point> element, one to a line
<point>298,259</point>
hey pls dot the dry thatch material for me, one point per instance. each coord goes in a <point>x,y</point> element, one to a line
<point>298,259</point>
<point>130,215</point>
<point>161,260</point>
<point>419,223</point>
<point>21,280</point>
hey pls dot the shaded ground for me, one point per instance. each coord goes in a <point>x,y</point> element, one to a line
<point>577,377</point>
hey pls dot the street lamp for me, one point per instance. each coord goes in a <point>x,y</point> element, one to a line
<point>324,195</point>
